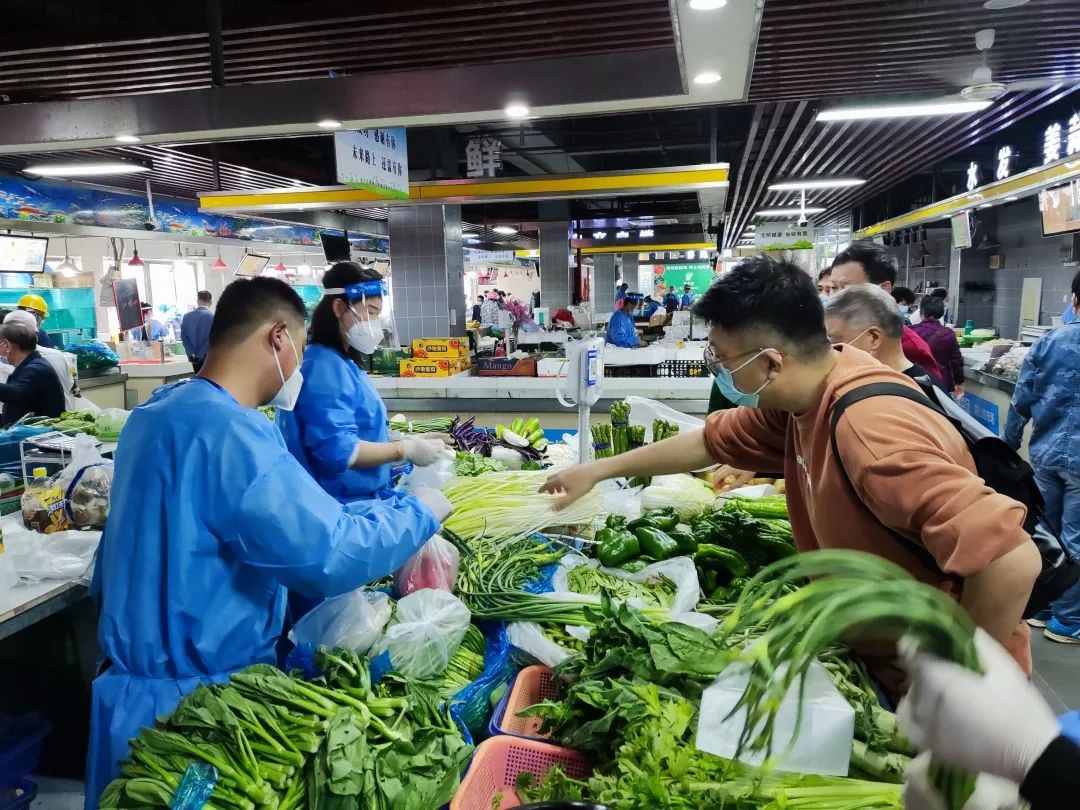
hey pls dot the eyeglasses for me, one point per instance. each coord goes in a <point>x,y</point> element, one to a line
<point>714,363</point>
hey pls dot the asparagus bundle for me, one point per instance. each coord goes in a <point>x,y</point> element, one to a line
<point>635,435</point>
<point>601,439</point>
<point>620,421</point>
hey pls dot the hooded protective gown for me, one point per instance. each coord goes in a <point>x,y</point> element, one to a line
<point>338,406</point>
<point>620,330</point>
<point>211,520</point>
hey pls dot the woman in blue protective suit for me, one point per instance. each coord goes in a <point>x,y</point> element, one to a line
<point>201,544</point>
<point>338,429</point>
<point>621,331</point>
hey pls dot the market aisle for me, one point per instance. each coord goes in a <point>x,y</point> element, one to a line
<point>58,794</point>
<point>1056,666</point>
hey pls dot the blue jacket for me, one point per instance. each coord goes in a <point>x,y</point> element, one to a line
<point>195,332</point>
<point>43,339</point>
<point>33,387</point>
<point>1048,392</point>
<point>338,406</point>
<point>199,549</point>
<point>687,300</point>
<point>651,308</point>
<point>1069,315</point>
<point>620,330</point>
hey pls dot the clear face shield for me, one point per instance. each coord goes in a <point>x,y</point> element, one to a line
<point>366,330</point>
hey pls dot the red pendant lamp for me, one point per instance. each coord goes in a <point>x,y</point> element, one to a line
<point>218,263</point>
<point>135,260</point>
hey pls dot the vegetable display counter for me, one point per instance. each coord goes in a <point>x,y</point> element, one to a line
<point>106,391</point>
<point>25,605</point>
<point>145,377</point>
<point>497,399</point>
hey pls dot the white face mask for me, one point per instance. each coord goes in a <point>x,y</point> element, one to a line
<point>362,335</point>
<point>286,397</point>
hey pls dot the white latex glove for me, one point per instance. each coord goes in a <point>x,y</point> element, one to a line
<point>422,452</point>
<point>435,501</point>
<point>994,723</point>
<point>991,792</point>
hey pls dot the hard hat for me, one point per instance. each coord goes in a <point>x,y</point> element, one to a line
<point>36,302</point>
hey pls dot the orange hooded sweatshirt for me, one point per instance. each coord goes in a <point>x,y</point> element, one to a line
<point>911,471</point>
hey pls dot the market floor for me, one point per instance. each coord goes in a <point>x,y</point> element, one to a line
<point>1056,669</point>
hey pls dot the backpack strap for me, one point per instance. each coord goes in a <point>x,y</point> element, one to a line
<point>858,395</point>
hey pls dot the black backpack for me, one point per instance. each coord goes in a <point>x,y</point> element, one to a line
<point>1001,468</point>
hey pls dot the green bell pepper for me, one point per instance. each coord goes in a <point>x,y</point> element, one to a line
<point>655,542</point>
<point>633,566</point>
<point>615,522</point>
<point>709,556</point>
<point>617,547</point>
<point>688,544</point>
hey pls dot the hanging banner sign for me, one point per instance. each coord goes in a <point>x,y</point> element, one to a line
<point>376,160</point>
<point>780,235</point>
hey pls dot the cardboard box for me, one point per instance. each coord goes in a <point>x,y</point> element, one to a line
<point>454,348</point>
<point>506,367</point>
<point>417,367</point>
<point>552,367</point>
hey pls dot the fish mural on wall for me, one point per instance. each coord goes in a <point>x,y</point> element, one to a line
<point>62,204</point>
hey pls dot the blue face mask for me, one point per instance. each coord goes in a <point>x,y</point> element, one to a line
<point>725,382</point>
<point>824,298</point>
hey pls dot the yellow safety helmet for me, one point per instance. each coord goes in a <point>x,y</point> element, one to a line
<point>35,302</point>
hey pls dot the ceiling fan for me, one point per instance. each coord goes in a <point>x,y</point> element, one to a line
<point>981,86</point>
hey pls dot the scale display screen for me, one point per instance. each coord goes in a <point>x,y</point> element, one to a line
<point>22,254</point>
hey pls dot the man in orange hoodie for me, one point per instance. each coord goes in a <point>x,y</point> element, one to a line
<point>909,468</point>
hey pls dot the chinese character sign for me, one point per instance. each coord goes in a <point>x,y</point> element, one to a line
<point>376,160</point>
<point>483,156</point>
<point>1052,144</point>
<point>972,176</point>
<point>1004,159</point>
<point>1073,144</point>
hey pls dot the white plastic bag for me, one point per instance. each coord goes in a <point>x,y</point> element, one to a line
<point>825,732</point>
<point>87,485</point>
<point>62,555</point>
<point>352,620</point>
<point>433,475</point>
<point>680,570</point>
<point>429,628</point>
<point>530,639</point>
<point>435,565</point>
<point>643,411</point>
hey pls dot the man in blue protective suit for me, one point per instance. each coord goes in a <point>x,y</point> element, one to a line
<point>621,331</point>
<point>650,307</point>
<point>202,543</point>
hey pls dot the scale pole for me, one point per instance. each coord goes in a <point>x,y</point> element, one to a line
<point>584,434</point>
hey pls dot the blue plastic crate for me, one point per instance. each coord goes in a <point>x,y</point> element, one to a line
<point>20,748</point>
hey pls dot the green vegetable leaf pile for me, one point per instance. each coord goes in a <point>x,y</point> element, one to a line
<point>280,742</point>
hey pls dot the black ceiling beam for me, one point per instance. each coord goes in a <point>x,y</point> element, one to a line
<point>289,107</point>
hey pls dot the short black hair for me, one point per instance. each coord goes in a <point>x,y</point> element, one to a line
<point>775,297</point>
<point>941,293</point>
<point>203,296</point>
<point>20,335</point>
<point>824,274</point>
<point>325,329</point>
<point>624,285</point>
<point>902,295</point>
<point>1076,286</point>
<point>246,304</point>
<point>879,265</point>
<point>932,306</point>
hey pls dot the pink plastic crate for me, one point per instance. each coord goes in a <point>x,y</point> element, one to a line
<point>497,763</point>
<point>531,686</point>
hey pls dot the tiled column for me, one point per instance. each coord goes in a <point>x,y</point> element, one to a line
<point>603,288</point>
<point>646,279</point>
<point>555,277</point>
<point>628,265</point>
<point>427,271</point>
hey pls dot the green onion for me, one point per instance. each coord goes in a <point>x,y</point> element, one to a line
<point>849,593</point>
